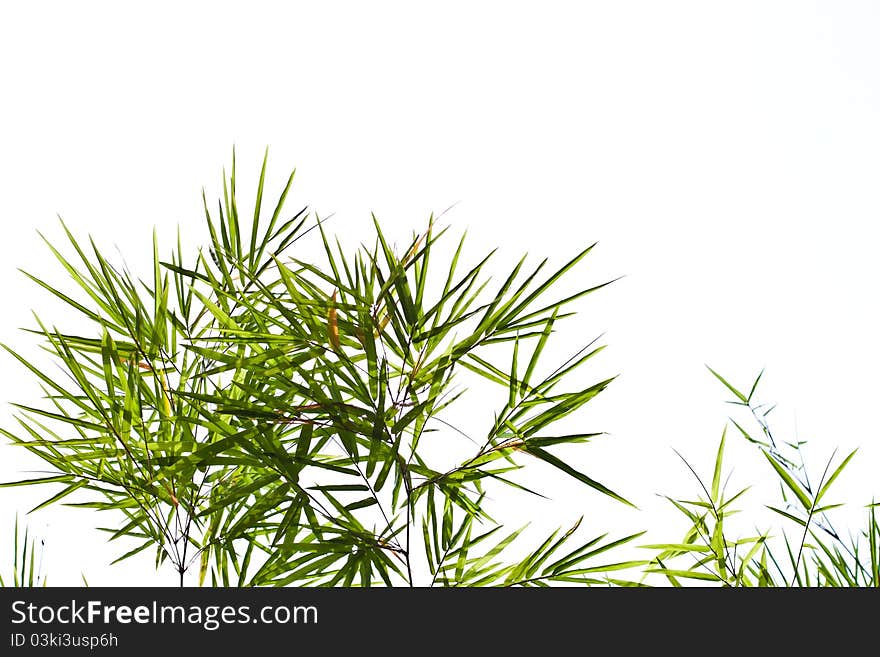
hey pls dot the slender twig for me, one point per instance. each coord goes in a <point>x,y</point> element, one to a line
<point>809,518</point>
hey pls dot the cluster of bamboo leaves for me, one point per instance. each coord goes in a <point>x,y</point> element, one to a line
<point>805,550</point>
<point>267,420</point>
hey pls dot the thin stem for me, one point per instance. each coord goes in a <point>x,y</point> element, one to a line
<point>807,523</point>
<point>406,554</point>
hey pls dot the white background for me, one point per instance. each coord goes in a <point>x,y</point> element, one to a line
<point>725,156</point>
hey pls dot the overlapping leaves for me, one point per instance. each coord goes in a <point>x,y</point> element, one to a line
<point>266,416</point>
<point>813,554</point>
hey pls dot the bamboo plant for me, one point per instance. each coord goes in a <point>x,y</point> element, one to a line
<point>810,551</point>
<point>271,420</point>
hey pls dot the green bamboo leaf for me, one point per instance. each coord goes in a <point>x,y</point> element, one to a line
<point>754,386</point>
<point>64,493</point>
<point>786,514</point>
<point>834,476</point>
<point>514,382</point>
<point>255,227</point>
<point>739,395</point>
<point>716,477</point>
<point>536,354</point>
<point>677,547</point>
<point>790,482</point>
<point>41,480</point>
<point>686,574</point>
<point>143,546</point>
<point>592,483</point>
